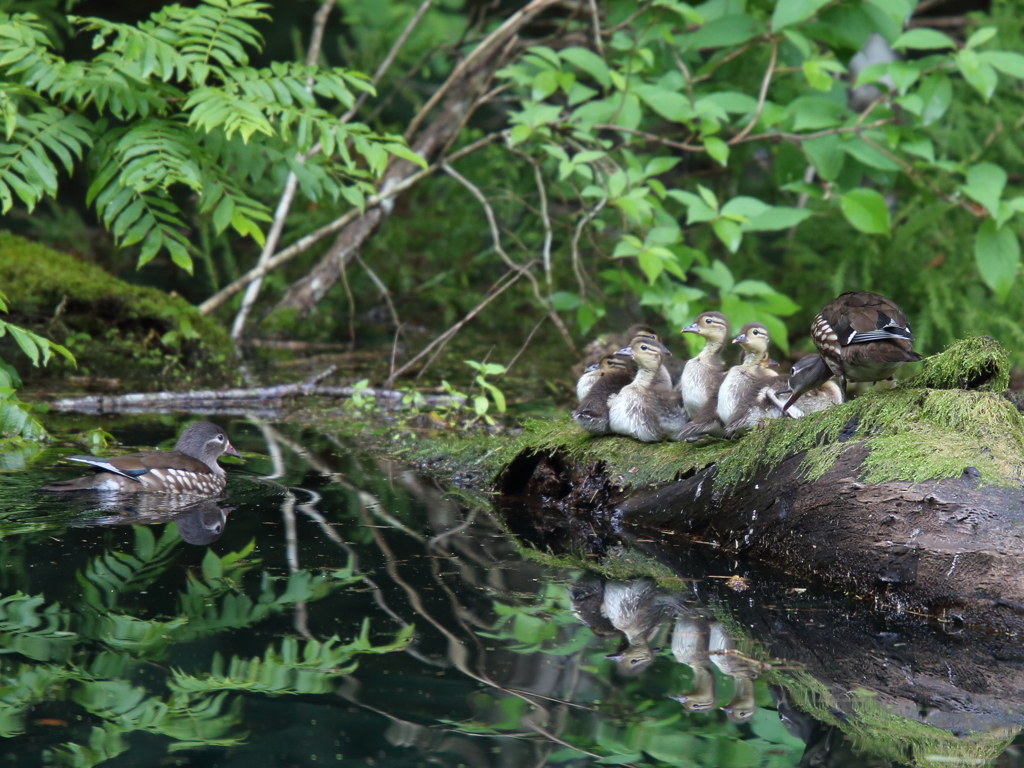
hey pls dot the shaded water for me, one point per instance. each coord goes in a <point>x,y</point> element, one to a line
<point>334,608</point>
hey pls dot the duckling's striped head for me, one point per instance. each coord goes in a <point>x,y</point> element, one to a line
<point>710,325</point>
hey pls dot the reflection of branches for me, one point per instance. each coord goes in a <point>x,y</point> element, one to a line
<point>291,548</point>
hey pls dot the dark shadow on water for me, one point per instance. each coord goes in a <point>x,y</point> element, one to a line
<point>354,613</point>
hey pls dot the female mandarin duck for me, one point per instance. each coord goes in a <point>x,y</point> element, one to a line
<point>190,468</point>
<point>614,372</point>
<point>810,398</point>
<point>647,409</point>
<point>861,337</point>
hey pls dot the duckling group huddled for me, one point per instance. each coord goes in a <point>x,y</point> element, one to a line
<point>860,336</point>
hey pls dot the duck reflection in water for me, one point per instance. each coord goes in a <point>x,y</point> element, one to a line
<point>690,637</point>
<point>199,522</point>
<point>743,671</point>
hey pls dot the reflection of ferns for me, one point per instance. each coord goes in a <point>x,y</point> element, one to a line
<point>113,573</point>
<point>200,710</point>
<point>21,629</point>
<point>287,672</point>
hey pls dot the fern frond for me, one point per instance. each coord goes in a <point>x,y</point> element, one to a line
<point>25,163</point>
<point>135,168</point>
<point>213,36</point>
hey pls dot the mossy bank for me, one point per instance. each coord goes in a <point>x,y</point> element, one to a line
<point>141,335</point>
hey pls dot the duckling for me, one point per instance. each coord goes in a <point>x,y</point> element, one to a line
<point>690,647</point>
<point>638,609</point>
<point>722,652</point>
<point>805,399</point>
<point>586,598</point>
<point>648,334</point>
<point>615,372</point>
<point>861,337</point>
<point>746,394</point>
<point>646,409</point>
<point>703,374</point>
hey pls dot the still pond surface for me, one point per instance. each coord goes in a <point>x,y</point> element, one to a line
<point>334,608</point>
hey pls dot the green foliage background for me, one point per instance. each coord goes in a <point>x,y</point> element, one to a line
<point>688,156</point>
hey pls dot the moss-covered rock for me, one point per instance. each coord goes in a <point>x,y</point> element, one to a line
<point>114,328</point>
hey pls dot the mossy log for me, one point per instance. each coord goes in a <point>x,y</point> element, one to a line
<point>911,496</point>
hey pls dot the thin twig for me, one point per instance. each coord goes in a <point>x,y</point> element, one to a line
<point>596,25</point>
<point>386,63</point>
<point>341,222</point>
<point>380,287</point>
<point>760,96</point>
<point>351,303</point>
<point>577,267</point>
<point>496,244</point>
<point>522,348</point>
<point>546,219</point>
<point>441,340</point>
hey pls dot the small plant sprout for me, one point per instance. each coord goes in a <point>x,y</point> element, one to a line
<point>481,403</point>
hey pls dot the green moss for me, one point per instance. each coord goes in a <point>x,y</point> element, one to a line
<point>979,363</point>
<point>113,327</point>
<point>875,730</point>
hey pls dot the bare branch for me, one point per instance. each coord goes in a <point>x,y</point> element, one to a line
<point>441,340</point>
<point>760,96</point>
<point>596,25</point>
<point>496,240</point>
<point>386,63</point>
<point>577,267</point>
<point>291,183</point>
<point>497,37</point>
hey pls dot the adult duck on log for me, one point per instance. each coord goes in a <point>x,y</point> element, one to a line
<point>861,337</point>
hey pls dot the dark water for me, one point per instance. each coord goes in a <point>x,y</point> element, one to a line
<point>334,608</point>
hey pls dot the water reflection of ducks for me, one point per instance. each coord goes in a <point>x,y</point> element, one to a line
<point>638,609</point>
<point>722,651</point>
<point>690,647</point>
<point>200,522</point>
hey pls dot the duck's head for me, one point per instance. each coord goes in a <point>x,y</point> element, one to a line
<point>649,335</point>
<point>206,442</point>
<point>646,354</point>
<point>753,337</point>
<point>711,325</point>
<point>617,364</point>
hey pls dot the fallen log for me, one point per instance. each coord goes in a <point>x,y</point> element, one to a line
<point>911,497</point>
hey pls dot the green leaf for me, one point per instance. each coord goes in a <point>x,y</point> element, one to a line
<point>997,252</point>
<point>717,275</point>
<point>985,184</point>
<point>812,113</point>
<point>866,210</point>
<point>729,233</point>
<point>669,104</point>
<point>936,93</point>
<point>651,264</point>
<point>589,62</point>
<point>980,75</point>
<point>717,149</point>
<point>1011,64</point>
<point>870,156</point>
<point>981,36</point>
<point>827,156</point>
<point>923,39</point>
<point>789,12</point>
<point>727,30</point>
<point>775,219</point>
<point>564,300</point>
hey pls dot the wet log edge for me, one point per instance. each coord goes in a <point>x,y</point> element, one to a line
<point>951,549</point>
